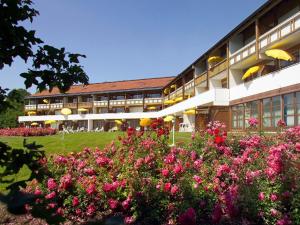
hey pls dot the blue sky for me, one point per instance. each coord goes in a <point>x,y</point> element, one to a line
<point>130,39</point>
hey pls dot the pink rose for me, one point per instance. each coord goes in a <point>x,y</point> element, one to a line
<point>75,201</point>
<point>167,187</point>
<point>174,189</point>
<point>51,184</point>
<point>261,196</point>
<point>165,172</point>
<point>50,195</point>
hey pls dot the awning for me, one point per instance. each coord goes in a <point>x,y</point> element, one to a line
<point>251,71</point>
<point>214,59</point>
<point>66,111</point>
<point>82,110</point>
<point>279,54</point>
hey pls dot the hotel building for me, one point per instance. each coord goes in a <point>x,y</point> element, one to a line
<point>253,71</point>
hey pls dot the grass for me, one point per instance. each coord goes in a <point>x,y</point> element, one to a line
<point>57,144</point>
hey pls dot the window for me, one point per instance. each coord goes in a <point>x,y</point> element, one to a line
<point>153,95</point>
<point>86,99</point>
<point>298,108</point>
<point>289,110</point>
<point>135,96</point>
<point>271,111</point>
<point>267,112</point>
<point>251,111</point>
<point>238,116</point>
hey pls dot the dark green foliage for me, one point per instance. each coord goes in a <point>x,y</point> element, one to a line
<point>14,107</point>
<point>53,67</point>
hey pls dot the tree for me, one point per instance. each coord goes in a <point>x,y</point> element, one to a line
<point>9,116</point>
<point>51,66</point>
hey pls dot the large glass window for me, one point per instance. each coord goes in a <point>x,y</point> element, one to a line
<point>276,110</point>
<point>289,110</point>
<point>267,112</point>
<point>251,111</point>
<point>238,116</point>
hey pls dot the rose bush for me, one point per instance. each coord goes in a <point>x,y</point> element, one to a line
<point>25,132</point>
<point>215,179</point>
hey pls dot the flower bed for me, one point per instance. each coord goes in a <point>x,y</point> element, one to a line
<point>216,179</point>
<point>25,132</point>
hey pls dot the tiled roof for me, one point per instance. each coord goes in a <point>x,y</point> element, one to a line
<point>117,86</point>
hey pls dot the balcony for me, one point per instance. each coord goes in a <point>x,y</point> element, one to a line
<point>218,68</point>
<point>281,31</point>
<point>56,105</point>
<point>87,105</point>
<point>70,105</point>
<point>201,78</point>
<point>103,103</point>
<point>273,81</point>
<point>189,85</point>
<point>30,107</point>
<point>121,102</point>
<point>153,101</point>
<point>134,102</point>
<point>43,106</point>
<point>243,53</point>
<point>177,93</point>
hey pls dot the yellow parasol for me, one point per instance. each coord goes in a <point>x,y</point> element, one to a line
<point>166,91</point>
<point>178,99</point>
<point>190,112</point>
<point>50,121</point>
<point>34,124</point>
<point>279,54</point>
<point>169,102</point>
<point>145,122</point>
<point>173,86</point>
<point>151,107</point>
<point>82,110</point>
<point>31,113</point>
<point>118,122</point>
<point>66,111</point>
<point>45,101</point>
<point>251,71</point>
<point>214,59</point>
<point>168,118</point>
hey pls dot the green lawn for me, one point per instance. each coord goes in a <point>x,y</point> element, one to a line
<point>57,144</point>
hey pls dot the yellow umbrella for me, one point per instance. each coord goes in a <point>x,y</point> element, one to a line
<point>166,91</point>
<point>66,111</point>
<point>31,113</point>
<point>145,122</point>
<point>50,121</point>
<point>279,54</point>
<point>214,59</point>
<point>82,110</point>
<point>118,122</point>
<point>151,107</point>
<point>173,86</point>
<point>251,71</point>
<point>178,99</point>
<point>34,124</point>
<point>168,118</point>
<point>168,102</point>
<point>45,101</point>
<point>190,112</point>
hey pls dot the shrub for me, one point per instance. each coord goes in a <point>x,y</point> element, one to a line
<point>25,132</point>
<point>216,179</point>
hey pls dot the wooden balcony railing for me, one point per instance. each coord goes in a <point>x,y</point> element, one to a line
<point>70,105</point>
<point>101,103</point>
<point>201,78</point>
<point>43,106</point>
<point>218,68</point>
<point>279,32</point>
<point>30,107</point>
<point>134,102</point>
<point>243,53</point>
<point>117,102</point>
<point>189,85</point>
<point>87,105</point>
<point>56,105</point>
<point>153,101</point>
